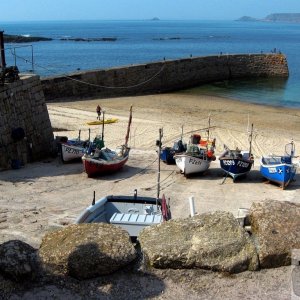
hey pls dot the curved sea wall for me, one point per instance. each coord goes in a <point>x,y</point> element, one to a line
<point>164,76</point>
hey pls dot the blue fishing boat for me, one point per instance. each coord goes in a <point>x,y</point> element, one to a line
<point>279,168</point>
<point>237,163</point>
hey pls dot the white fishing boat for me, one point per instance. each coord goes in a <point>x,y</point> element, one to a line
<point>198,156</point>
<point>71,149</point>
<point>194,160</point>
<point>132,213</point>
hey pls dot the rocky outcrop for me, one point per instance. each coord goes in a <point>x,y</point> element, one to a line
<point>210,241</point>
<point>276,230</point>
<point>24,39</point>
<point>86,250</point>
<point>18,260</point>
<point>247,19</point>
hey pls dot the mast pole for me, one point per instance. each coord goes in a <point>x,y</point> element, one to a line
<point>128,127</point>
<point>102,137</point>
<point>158,173</point>
<point>250,140</point>
<point>208,129</point>
<point>181,132</point>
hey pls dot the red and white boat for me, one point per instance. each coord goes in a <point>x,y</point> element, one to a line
<point>104,161</point>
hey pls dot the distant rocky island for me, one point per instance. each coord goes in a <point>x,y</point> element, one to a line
<point>278,17</point>
<point>8,38</point>
<point>104,39</point>
<point>24,39</point>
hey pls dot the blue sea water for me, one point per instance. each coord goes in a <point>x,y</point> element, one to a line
<point>147,41</point>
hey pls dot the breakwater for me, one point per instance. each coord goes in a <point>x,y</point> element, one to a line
<point>163,76</point>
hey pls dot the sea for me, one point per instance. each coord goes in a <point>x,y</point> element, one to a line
<point>124,43</point>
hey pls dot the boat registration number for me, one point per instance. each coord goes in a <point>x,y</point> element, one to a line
<point>272,170</point>
<point>228,162</point>
<point>239,163</point>
<point>72,150</point>
<point>242,164</point>
<point>194,161</point>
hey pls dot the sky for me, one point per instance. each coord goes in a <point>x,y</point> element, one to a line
<point>38,10</point>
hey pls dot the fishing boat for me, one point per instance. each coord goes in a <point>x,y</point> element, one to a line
<point>198,156</point>
<point>71,149</point>
<point>102,160</point>
<point>279,169</point>
<point>237,163</point>
<point>132,213</point>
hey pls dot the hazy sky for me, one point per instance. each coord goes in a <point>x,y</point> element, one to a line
<point>20,10</point>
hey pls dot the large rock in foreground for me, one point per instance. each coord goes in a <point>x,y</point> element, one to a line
<point>210,241</point>
<point>18,260</point>
<point>86,250</point>
<point>276,229</point>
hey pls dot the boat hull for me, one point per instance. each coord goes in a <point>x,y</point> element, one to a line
<point>71,152</point>
<point>281,174</point>
<point>132,213</point>
<point>95,167</point>
<point>189,164</point>
<point>235,167</point>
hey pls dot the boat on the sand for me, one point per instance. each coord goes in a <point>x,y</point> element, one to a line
<point>71,149</point>
<point>197,157</point>
<point>132,213</point>
<point>101,160</point>
<point>237,163</point>
<point>106,121</point>
<point>279,169</point>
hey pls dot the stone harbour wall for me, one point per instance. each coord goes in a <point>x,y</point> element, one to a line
<point>163,76</point>
<point>25,129</point>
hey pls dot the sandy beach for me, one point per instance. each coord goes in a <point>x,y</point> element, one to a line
<point>46,195</point>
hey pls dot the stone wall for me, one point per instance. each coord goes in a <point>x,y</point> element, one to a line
<point>25,129</point>
<point>164,76</point>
